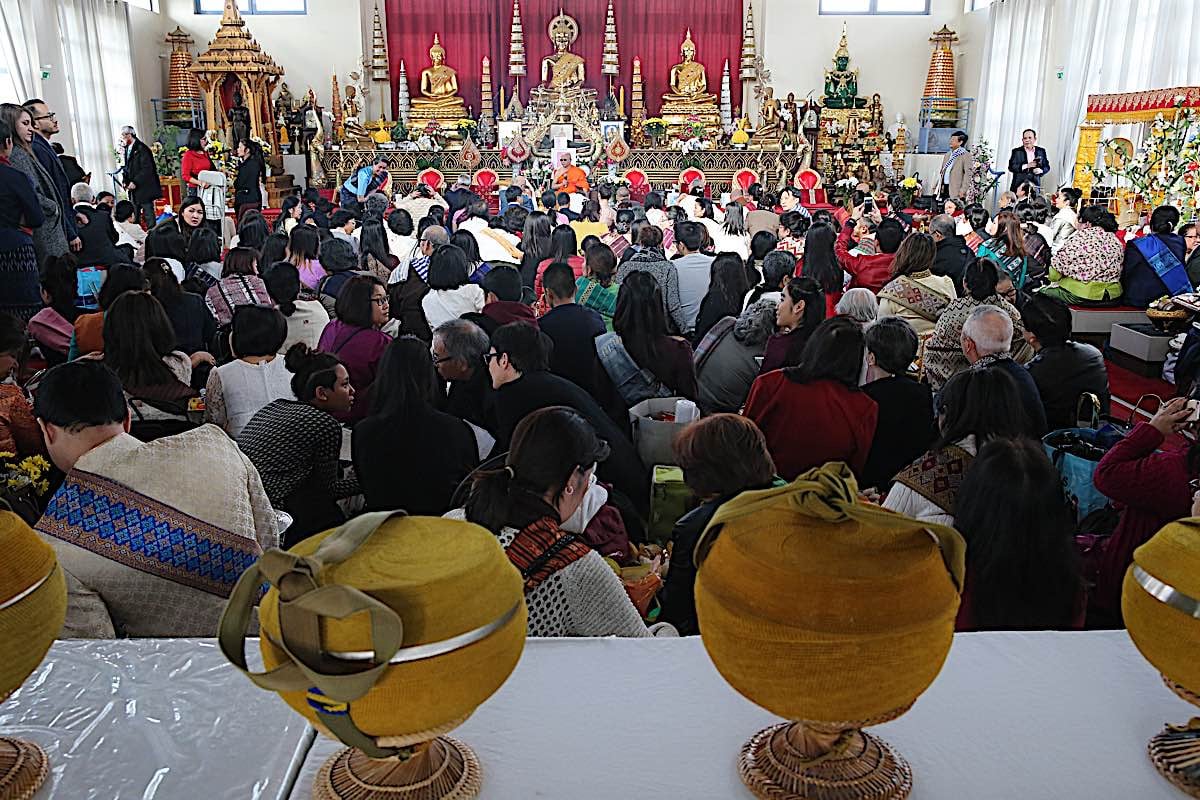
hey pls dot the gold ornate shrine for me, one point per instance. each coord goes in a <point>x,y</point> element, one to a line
<point>439,101</point>
<point>1119,109</point>
<point>689,100</point>
<point>850,141</point>
<point>662,167</point>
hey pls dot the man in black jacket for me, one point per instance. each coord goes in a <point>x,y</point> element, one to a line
<point>519,360</point>
<point>140,176</point>
<point>986,342</point>
<point>953,255</point>
<point>1063,370</point>
<point>96,229</point>
<point>1028,163</point>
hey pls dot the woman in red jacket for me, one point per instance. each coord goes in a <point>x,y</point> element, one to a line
<point>1150,488</point>
<point>194,161</point>
<point>815,412</point>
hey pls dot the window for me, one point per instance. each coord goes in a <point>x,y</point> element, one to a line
<point>254,6</point>
<point>874,7</point>
<point>977,5</point>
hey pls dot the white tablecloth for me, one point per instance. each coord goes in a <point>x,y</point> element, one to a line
<point>928,165</point>
<point>1033,716</point>
<point>165,719</point>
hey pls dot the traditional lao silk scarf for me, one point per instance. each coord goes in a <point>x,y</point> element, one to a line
<point>111,520</point>
<point>916,297</point>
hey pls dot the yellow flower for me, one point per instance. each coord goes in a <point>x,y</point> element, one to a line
<point>909,183</point>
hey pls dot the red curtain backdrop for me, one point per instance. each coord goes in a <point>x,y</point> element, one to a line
<point>651,30</point>
<point>467,31</point>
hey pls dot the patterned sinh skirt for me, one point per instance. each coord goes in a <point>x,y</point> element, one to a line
<point>20,288</point>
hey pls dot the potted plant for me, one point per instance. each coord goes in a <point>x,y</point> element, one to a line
<point>655,127</point>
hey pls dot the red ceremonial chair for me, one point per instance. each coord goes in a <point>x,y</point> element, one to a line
<point>693,174</point>
<point>639,184</point>
<point>486,183</point>
<point>808,181</point>
<point>434,178</point>
<point>745,177</point>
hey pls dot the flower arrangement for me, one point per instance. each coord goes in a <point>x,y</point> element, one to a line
<point>654,127</point>
<point>1166,167</point>
<point>908,190</point>
<point>843,190</point>
<point>739,138</point>
<point>23,483</point>
<point>983,176</point>
<point>692,129</point>
<point>466,125</point>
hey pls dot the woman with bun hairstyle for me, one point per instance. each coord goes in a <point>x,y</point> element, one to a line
<point>295,444</point>
<point>1062,224</point>
<point>526,502</point>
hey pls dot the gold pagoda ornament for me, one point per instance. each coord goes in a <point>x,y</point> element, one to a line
<point>637,107</point>
<point>749,70</point>
<point>487,108</point>
<point>234,56</point>
<point>939,81</point>
<point>379,61</point>
<point>181,83</point>
<point>339,131</point>
<point>610,64</point>
<point>516,50</point>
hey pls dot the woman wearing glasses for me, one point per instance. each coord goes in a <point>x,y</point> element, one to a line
<point>356,339</point>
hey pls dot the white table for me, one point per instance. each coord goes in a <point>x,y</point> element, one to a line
<point>165,719</point>
<point>928,165</point>
<point>1033,716</point>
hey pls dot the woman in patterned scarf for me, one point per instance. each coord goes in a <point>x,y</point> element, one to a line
<point>915,294</point>
<point>975,407</point>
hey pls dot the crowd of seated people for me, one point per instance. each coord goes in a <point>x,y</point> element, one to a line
<point>423,354</point>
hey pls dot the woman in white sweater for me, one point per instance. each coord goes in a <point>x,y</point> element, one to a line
<point>306,319</point>
<point>451,294</point>
<point>1062,224</point>
<point>257,376</point>
<point>569,589</point>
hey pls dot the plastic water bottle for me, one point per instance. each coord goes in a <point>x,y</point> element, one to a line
<point>686,411</point>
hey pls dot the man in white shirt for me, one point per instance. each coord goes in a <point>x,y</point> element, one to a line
<point>694,270</point>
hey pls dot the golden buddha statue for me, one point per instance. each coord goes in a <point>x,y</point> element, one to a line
<point>689,83</point>
<point>563,71</point>
<point>689,95</point>
<point>769,130</point>
<point>439,98</point>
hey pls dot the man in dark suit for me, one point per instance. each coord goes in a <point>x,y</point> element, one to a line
<point>1028,163</point>
<point>45,125</point>
<point>140,176</point>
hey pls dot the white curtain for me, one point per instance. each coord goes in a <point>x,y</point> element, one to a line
<point>20,70</point>
<point>1126,46</point>
<point>99,69</point>
<point>1013,79</point>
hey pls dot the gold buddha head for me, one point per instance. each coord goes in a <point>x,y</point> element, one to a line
<point>437,53</point>
<point>563,30</point>
<point>688,48</point>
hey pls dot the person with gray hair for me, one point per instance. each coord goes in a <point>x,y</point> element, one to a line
<point>139,176</point>
<point>986,341</point>
<point>778,267</point>
<point>95,228</point>
<point>458,348</point>
<point>727,359</point>
<point>859,304</point>
<point>952,253</point>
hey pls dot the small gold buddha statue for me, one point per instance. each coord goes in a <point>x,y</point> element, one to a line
<point>689,95</point>
<point>769,129</point>
<point>439,98</point>
<point>562,70</point>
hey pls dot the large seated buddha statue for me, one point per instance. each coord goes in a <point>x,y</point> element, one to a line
<point>563,72</point>
<point>841,82</point>
<point>439,98</point>
<point>689,96</point>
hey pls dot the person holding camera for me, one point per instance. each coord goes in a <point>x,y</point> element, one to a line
<point>418,202</point>
<point>867,245</point>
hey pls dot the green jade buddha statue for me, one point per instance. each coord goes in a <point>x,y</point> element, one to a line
<point>841,82</point>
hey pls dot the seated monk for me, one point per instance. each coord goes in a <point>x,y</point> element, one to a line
<point>439,89</point>
<point>128,509</point>
<point>568,177</point>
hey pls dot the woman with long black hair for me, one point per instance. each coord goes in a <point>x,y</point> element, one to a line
<point>375,255</point>
<point>726,293</point>
<point>639,356</point>
<point>251,172</point>
<point>822,265</point>
<point>535,245</point>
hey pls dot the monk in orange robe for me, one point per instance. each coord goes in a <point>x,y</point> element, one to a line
<point>568,177</point>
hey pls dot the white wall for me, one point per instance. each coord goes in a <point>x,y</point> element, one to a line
<point>891,53</point>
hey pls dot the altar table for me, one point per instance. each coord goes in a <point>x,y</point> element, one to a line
<point>1012,715</point>
<point>146,719</point>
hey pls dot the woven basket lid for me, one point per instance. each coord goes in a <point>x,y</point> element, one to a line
<point>33,601</point>
<point>444,578</point>
<point>1161,626</point>
<point>820,608</point>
